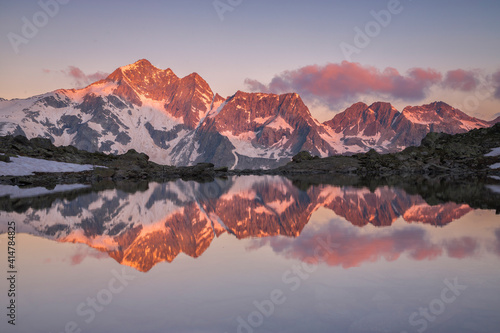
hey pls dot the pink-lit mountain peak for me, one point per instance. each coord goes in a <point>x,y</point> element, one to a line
<point>140,72</point>
<point>363,120</point>
<point>441,113</point>
<point>435,109</point>
<point>260,105</point>
<point>142,79</point>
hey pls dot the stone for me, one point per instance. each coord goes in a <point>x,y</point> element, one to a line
<point>302,156</point>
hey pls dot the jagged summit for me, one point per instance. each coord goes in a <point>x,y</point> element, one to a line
<point>139,64</point>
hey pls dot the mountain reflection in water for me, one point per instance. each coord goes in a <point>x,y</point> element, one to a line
<point>144,228</point>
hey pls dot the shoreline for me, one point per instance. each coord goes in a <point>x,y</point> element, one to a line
<point>468,155</point>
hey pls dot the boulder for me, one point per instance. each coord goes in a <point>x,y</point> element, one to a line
<point>201,167</point>
<point>132,156</point>
<point>42,143</point>
<point>302,156</point>
<point>432,138</point>
<point>222,169</point>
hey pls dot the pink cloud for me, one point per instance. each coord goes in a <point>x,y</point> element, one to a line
<point>80,79</point>
<point>496,243</point>
<point>83,252</point>
<point>338,83</point>
<point>496,82</point>
<point>462,247</point>
<point>460,79</point>
<point>255,85</point>
<point>350,247</point>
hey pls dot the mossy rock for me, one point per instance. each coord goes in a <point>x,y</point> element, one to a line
<point>302,156</point>
<point>104,172</point>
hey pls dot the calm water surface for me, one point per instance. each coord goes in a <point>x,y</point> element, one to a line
<point>252,254</point>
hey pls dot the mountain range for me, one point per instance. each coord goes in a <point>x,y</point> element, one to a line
<point>157,223</point>
<point>181,121</point>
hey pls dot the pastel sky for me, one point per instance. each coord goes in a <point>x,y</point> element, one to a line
<point>422,52</point>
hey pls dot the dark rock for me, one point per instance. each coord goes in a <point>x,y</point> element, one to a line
<point>133,156</point>
<point>104,172</point>
<point>302,156</point>
<point>123,138</point>
<point>205,165</point>
<point>432,138</point>
<point>202,167</point>
<point>161,138</point>
<point>372,153</point>
<point>41,143</point>
<point>53,102</point>
<point>22,140</point>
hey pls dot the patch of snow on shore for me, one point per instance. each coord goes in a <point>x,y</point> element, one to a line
<point>25,166</point>
<point>494,152</point>
<point>495,166</point>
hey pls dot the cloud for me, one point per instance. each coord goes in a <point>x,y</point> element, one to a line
<point>86,252</point>
<point>496,83</point>
<point>460,79</point>
<point>350,247</point>
<point>335,84</point>
<point>255,85</point>
<point>496,244</point>
<point>80,79</point>
<point>462,247</point>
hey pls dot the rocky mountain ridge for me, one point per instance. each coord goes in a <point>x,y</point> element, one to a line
<point>181,121</point>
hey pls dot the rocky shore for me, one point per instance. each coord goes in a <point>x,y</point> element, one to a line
<point>439,155</point>
<point>131,166</point>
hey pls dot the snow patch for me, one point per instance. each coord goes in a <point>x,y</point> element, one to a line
<point>495,166</point>
<point>280,206</point>
<point>494,152</point>
<point>244,146</point>
<point>260,120</point>
<point>416,117</point>
<point>26,166</point>
<point>279,123</point>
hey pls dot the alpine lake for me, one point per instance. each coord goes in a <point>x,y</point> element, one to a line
<point>252,254</point>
